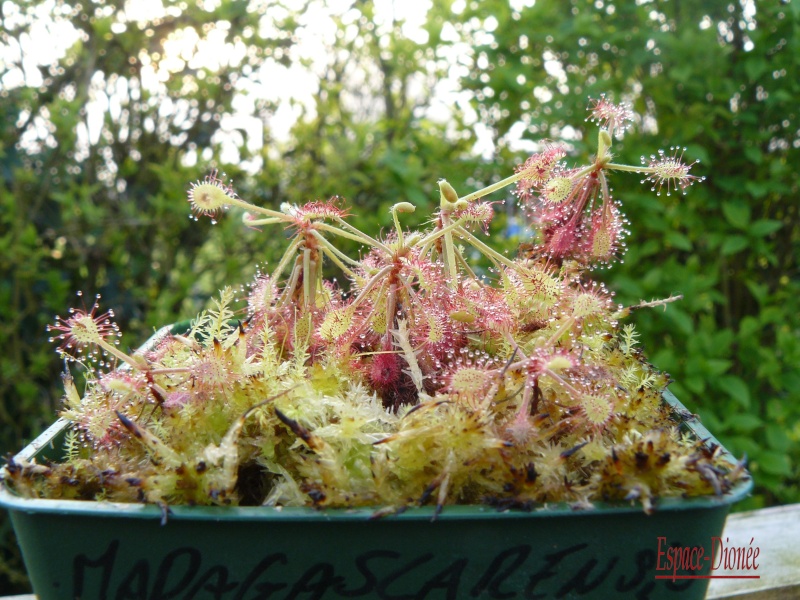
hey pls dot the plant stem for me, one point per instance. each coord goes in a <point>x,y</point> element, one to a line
<point>486,250</point>
<point>370,284</point>
<point>465,265</point>
<point>170,371</point>
<point>567,385</point>
<point>400,240</point>
<point>568,322</point>
<point>307,278</point>
<point>368,317</point>
<point>628,168</point>
<point>331,252</point>
<point>391,308</point>
<point>493,188</point>
<point>287,255</point>
<point>118,354</point>
<point>604,188</point>
<point>513,343</point>
<point>449,252</point>
<point>434,235</point>
<point>267,221</point>
<point>362,237</point>
<point>288,290</point>
<point>264,211</point>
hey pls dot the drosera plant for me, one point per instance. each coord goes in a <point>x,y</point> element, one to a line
<point>421,382</point>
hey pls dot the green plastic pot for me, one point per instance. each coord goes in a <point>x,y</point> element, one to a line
<point>102,550</point>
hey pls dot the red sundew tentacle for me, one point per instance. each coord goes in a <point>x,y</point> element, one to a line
<point>669,171</point>
<point>84,328</point>
<point>210,196</point>
<point>616,118</point>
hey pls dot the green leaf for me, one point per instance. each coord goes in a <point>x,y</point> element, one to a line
<point>773,314</point>
<point>753,154</point>
<point>737,214</point>
<point>722,338</point>
<point>417,198</point>
<point>764,227</point>
<point>774,463</point>
<point>791,383</point>
<point>777,438</point>
<point>698,152</point>
<point>758,189</point>
<point>739,444</point>
<point>755,67</point>
<point>682,320</point>
<point>678,240</point>
<point>760,292</point>
<point>734,244</point>
<point>717,366</point>
<point>695,384</point>
<point>736,388</point>
<point>732,183</point>
<point>26,389</point>
<point>776,409</point>
<point>743,423</point>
